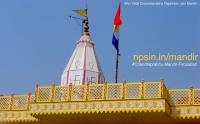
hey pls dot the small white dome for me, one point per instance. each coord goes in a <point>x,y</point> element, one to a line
<point>83,66</point>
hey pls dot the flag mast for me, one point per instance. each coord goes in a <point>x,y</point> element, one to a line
<point>115,38</point>
<point>116,75</point>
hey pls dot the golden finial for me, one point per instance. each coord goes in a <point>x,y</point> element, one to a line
<point>84,13</point>
<point>86,27</point>
<point>86,9</point>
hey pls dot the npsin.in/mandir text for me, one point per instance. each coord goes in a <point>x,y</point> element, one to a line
<point>166,57</point>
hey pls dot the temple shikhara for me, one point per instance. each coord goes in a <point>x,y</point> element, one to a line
<point>83,66</point>
<point>85,97</point>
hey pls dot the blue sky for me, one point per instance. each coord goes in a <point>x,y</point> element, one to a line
<point>37,38</point>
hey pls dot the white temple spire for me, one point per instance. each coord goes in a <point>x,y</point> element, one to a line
<point>83,65</point>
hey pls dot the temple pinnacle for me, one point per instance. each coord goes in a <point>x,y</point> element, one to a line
<point>84,13</point>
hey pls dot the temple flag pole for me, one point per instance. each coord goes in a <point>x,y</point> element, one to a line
<point>117,62</point>
<point>115,38</point>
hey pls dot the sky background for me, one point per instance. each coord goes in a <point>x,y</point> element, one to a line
<point>37,39</point>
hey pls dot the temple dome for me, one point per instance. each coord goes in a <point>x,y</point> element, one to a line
<point>83,66</point>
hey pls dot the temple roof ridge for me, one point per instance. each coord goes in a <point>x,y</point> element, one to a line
<point>85,38</point>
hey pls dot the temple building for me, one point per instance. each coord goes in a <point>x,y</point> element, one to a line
<point>83,66</point>
<point>85,97</point>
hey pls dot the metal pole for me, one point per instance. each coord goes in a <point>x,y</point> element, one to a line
<point>116,76</point>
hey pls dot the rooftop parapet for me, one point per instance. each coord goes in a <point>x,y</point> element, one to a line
<point>108,98</point>
<point>102,92</point>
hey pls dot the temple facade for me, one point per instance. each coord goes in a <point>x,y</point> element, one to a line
<point>85,97</point>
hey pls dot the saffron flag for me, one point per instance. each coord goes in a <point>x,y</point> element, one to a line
<point>117,23</point>
<point>81,12</point>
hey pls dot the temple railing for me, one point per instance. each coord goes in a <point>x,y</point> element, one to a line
<point>103,91</point>
<point>15,102</point>
<point>61,93</point>
<point>196,97</point>
<point>180,97</point>
<point>5,102</point>
<point>133,90</point>
<point>94,92</point>
<point>166,93</point>
<point>152,90</point>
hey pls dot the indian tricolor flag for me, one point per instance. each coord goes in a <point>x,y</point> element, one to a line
<point>117,23</point>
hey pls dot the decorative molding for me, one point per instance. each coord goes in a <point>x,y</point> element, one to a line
<point>17,116</point>
<point>99,106</point>
<point>185,112</point>
<point>157,105</point>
